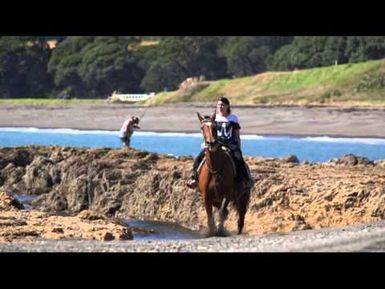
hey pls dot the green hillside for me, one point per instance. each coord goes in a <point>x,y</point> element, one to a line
<point>361,84</point>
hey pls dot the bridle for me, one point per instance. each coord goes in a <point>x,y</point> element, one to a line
<point>208,127</point>
<point>211,143</point>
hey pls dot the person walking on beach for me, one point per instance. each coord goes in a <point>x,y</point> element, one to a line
<point>128,129</point>
<point>228,132</point>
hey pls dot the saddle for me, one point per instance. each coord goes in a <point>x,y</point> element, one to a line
<point>229,155</point>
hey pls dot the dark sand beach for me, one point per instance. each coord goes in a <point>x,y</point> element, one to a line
<point>295,121</point>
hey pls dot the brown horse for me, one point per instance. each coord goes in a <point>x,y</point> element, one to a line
<point>217,183</point>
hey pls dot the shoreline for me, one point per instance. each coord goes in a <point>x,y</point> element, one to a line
<point>266,121</point>
<point>366,237</point>
<point>288,135</point>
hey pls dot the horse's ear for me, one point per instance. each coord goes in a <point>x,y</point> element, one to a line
<point>199,117</point>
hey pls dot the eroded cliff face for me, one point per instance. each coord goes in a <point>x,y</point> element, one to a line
<point>287,195</point>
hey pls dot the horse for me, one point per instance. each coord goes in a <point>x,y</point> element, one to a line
<point>217,180</point>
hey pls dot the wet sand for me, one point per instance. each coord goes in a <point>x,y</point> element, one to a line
<point>292,121</point>
<point>360,238</point>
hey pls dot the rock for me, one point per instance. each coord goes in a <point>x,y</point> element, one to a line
<point>108,237</point>
<point>19,157</point>
<point>102,183</point>
<point>52,202</point>
<point>8,202</point>
<point>352,160</point>
<point>37,176</point>
<point>17,204</point>
<point>291,159</point>
<point>29,225</point>
<point>58,230</point>
<point>90,215</point>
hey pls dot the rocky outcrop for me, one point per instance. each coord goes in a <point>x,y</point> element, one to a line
<point>287,195</point>
<point>19,225</point>
<point>352,160</point>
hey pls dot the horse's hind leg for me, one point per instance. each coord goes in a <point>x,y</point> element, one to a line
<point>223,213</point>
<point>242,208</point>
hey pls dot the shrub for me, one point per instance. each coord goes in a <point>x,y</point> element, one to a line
<point>370,82</point>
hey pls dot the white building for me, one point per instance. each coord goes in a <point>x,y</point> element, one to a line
<point>130,97</point>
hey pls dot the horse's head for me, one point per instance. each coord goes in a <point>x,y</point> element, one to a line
<point>209,130</point>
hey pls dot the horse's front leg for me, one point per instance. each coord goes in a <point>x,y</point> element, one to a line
<point>223,213</point>
<point>210,217</point>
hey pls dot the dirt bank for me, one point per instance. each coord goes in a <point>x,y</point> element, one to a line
<point>302,121</point>
<point>287,195</point>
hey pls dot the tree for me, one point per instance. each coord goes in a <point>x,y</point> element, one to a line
<point>96,66</point>
<point>315,51</point>
<point>64,64</point>
<point>181,57</point>
<point>247,55</point>
<point>362,48</point>
<point>23,67</point>
<point>335,50</point>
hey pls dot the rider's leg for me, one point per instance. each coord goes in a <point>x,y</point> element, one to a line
<point>249,179</point>
<point>243,168</point>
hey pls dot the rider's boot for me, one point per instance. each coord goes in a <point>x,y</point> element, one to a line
<point>193,182</point>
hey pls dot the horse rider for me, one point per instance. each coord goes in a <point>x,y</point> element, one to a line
<point>228,134</point>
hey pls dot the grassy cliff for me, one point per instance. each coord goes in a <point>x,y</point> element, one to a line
<point>361,84</point>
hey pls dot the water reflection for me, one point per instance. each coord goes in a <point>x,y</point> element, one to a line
<point>26,200</point>
<point>155,230</point>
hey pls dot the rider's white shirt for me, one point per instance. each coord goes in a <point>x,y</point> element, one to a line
<point>230,117</point>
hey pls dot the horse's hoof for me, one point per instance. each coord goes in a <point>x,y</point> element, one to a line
<point>209,234</point>
<point>222,233</point>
